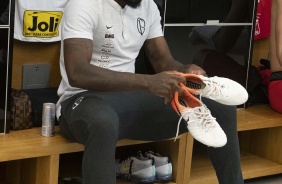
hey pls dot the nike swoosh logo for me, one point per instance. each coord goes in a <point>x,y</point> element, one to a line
<point>109,27</point>
<point>125,168</point>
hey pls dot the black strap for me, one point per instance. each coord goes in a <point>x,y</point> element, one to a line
<point>276,76</point>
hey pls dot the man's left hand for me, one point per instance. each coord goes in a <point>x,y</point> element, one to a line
<point>194,69</point>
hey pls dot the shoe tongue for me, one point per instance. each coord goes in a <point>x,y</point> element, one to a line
<point>182,103</point>
<point>154,154</point>
<point>195,85</point>
<point>214,84</point>
<point>209,87</point>
<point>140,155</point>
<point>201,109</point>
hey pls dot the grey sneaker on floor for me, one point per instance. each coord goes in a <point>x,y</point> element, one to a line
<point>136,170</point>
<point>163,166</point>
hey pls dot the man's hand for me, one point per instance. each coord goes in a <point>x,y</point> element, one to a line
<point>165,84</point>
<point>194,69</point>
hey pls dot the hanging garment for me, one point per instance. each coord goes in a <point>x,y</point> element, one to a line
<point>38,20</point>
<point>263,16</point>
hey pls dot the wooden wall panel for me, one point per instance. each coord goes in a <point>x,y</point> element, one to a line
<point>36,52</point>
<point>260,50</point>
<point>267,143</point>
<point>31,52</point>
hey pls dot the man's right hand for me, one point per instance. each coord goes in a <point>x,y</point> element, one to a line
<point>165,84</point>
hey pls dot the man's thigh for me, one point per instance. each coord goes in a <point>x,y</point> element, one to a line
<point>144,116</point>
<point>141,114</point>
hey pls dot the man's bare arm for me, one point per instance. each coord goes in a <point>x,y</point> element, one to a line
<point>82,74</point>
<point>161,59</point>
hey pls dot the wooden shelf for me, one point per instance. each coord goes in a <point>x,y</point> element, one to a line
<point>255,166</point>
<point>128,142</point>
<point>258,117</point>
<point>26,152</point>
<point>202,171</point>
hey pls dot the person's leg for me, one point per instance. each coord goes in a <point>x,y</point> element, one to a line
<point>159,122</point>
<point>145,117</point>
<point>92,122</point>
<point>152,121</point>
<point>274,43</point>
<point>100,119</point>
<point>276,36</point>
<point>275,84</point>
<point>226,160</point>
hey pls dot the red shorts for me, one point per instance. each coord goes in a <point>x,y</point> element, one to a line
<point>275,95</point>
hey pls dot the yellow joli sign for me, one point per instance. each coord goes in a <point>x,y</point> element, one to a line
<point>41,24</point>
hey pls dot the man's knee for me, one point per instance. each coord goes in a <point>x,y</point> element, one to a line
<point>102,125</point>
<point>106,124</point>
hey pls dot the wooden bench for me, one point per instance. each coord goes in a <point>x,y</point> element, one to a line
<point>29,158</point>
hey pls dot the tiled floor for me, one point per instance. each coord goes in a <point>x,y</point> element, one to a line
<point>275,179</point>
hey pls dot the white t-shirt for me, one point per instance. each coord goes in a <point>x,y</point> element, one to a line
<point>38,20</point>
<point>117,33</point>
